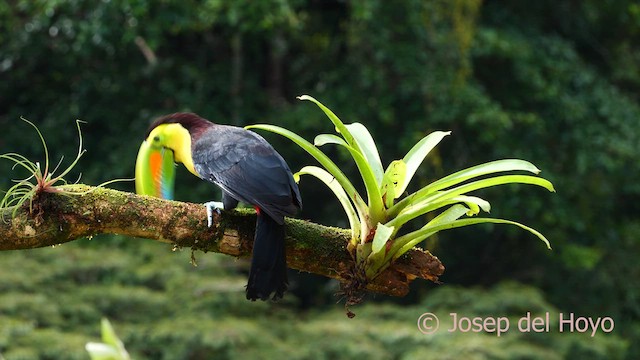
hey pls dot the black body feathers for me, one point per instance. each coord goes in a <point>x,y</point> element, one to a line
<point>248,169</point>
<point>268,272</point>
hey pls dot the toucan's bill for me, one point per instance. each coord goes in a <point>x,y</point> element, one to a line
<point>155,171</point>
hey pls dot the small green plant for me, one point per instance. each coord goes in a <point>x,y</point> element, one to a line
<point>26,190</point>
<point>111,348</point>
<point>39,180</point>
<point>375,223</point>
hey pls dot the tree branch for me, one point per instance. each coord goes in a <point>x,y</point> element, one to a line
<point>58,218</point>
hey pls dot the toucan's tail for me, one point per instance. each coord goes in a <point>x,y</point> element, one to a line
<point>268,272</point>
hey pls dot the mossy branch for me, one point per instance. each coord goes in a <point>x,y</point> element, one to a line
<point>57,218</point>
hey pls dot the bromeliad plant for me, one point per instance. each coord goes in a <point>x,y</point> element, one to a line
<point>375,223</point>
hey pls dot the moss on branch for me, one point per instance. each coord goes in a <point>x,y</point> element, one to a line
<point>58,218</point>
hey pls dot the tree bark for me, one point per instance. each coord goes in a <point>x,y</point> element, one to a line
<point>56,218</point>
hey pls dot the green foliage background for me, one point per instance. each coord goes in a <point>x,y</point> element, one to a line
<point>555,83</point>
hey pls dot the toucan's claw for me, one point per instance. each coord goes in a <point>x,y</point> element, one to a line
<point>212,206</point>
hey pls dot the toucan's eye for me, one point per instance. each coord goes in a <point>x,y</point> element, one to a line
<point>156,138</point>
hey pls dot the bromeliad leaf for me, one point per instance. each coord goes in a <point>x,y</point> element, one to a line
<point>474,203</point>
<point>433,192</point>
<point>339,192</point>
<point>383,233</point>
<point>340,127</point>
<point>409,240</point>
<point>323,159</point>
<point>367,148</point>
<point>464,175</point>
<point>324,139</point>
<point>416,156</point>
<point>392,182</point>
<point>431,201</point>
<point>404,244</point>
<point>374,198</point>
<point>483,169</point>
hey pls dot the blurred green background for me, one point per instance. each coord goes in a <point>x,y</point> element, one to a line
<point>555,83</point>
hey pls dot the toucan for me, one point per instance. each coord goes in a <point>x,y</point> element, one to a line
<point>247,169</point>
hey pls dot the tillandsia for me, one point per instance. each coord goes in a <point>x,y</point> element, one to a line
<point>39,180</point>
<point>375,223</point>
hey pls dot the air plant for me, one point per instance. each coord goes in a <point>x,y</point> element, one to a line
<point>39,180</point>
<point>375,223</point>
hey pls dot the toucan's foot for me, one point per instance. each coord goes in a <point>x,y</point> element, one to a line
<point>211,207</point>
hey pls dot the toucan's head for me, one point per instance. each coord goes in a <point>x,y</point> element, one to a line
<point>167,141</point>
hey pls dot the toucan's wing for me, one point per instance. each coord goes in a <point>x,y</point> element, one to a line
<point>246,166</point>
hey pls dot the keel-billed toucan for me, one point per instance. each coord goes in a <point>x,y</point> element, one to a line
<point>245,166</point>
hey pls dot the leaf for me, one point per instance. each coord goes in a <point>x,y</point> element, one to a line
<point>367,148</point>
<point>369,177</point>
<point>79,154</point>
<point>383,233</point>
<point>363,251</point>
<point>417,154</point>
<point>391,181</point>
<point>108,334</point>
<point>342,196</point>
<point>464,175</point>
<point>21,160</point>
<point>324,160</point>
<point>100,351</point>
<point>484,169</point>
<point>408,241</point>
<point>357,136</point>
<point>324,139</point>
<point>449,215</point>
<point>44,143</point>
<point>376,258</point>
<point>340,127</point>
<point>374,197</point>
<point>437,199</point>
<point>111,349</point>
<point>24,190</point>
<point>379,263</point>
<point>474,203</point>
